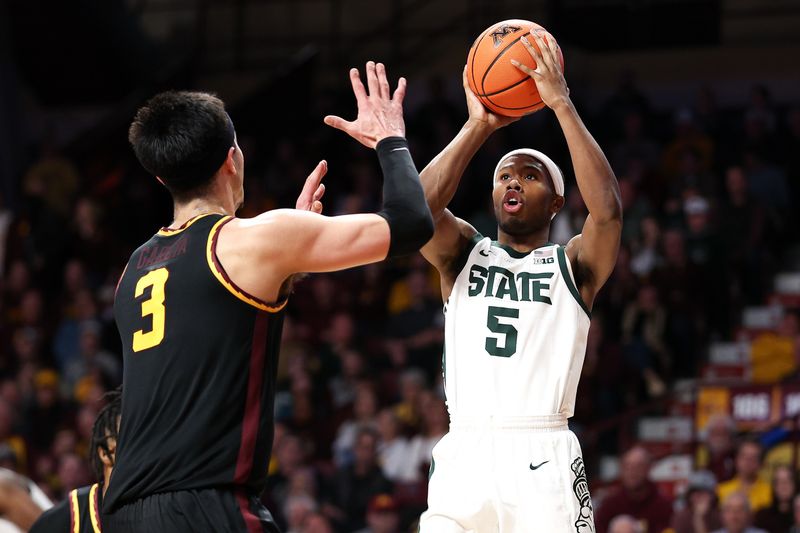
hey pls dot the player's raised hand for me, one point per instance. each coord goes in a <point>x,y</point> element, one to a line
<point>380,113</point>
<point>310,198</point>
<point>478,112</point>
<point>548,75</point>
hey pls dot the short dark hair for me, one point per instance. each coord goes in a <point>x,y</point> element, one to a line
<point>105,428</point>
<point>183,138</point>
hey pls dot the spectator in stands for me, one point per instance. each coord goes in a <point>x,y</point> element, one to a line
<point>382,515</point>
<point>774,355</point>
<point>643,325</point>
<point>416,334</point>
<point>635,495</point>
<point>779,516</point>
<point>718,451</point>
<point>736,515</point>
<point>412,383</point>
<point>743,226</point>
<point>290,454</point>
<point>700,514</point>
<point>746,480</point>
<point>353,486</point>
<point>625,524</point>
<point>297,510</point>
<point>318,523</point>
<point>435,424</point>
<point>796,514</point>
<point>365,411</point>
<point>393,448</point>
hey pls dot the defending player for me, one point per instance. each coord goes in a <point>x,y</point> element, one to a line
<point>80,512</point>
<point>200,308</point>
<point>517,315</point>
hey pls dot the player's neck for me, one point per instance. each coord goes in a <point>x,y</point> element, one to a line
<point>185,211</point>
<point>524,243</point>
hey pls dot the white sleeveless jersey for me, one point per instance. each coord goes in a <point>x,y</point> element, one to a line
<point>515,334</point>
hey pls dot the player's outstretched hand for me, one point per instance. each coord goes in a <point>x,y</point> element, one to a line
<point>548,76</point>
<point>380,114</point>
<point>479,113</point>
<point>310,198</point>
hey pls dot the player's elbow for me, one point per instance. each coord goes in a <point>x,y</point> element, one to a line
<point>410,229</point>
<point>610,209</point>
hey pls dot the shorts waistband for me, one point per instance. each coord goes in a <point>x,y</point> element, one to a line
<point>534,423</point>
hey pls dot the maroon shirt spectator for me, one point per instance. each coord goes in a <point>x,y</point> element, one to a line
<point>636,495</point>
<point>701,513</point>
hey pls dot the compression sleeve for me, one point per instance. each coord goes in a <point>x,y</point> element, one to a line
<point>404,205</point>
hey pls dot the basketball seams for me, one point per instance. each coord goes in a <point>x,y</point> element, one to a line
<point>494,61</point>
<point>474,52</point>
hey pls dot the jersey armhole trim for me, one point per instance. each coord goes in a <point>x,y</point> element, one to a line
<point>463,256</point>
<point>94,513</point>
<point>74,511</point>
<point>566,273</point>
<point>219,272</point>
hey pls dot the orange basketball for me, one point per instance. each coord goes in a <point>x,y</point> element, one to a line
<point>502,87</point>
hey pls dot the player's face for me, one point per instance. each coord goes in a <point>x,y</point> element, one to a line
<point>523,195</point>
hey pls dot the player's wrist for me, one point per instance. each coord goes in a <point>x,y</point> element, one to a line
<point>562,104</point>
<point>481,126</point>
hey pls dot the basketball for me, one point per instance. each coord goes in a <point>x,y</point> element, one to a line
<point>499,85</point>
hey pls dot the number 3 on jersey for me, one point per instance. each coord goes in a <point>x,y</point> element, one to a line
<point>153,306</point>
<point>509,347</point>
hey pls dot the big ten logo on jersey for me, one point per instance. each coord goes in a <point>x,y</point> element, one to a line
<point>499,282</point>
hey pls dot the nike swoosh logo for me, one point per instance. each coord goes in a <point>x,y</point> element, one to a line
<point>483,253</point>
<point>537,466</point>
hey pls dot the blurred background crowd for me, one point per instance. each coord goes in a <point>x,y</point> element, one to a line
<point>710,195</point>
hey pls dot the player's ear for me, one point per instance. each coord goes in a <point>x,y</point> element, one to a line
<point>558,203</point>
<point>229,164</point>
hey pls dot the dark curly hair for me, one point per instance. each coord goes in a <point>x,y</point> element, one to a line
<point>106,427</point>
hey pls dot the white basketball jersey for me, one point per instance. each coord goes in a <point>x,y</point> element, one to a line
<point>515,334</point>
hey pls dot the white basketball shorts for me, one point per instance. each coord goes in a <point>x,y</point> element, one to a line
<point>510,475</point>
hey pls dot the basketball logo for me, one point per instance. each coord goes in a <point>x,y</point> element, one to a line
<point>502,31</point>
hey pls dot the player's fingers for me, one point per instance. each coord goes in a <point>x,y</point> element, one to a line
<point>339,123</point>
<point>319,193</point>
<point>400,92</point>
<point>311,185</point>
<point>551,46</point>
<point>464,79</point>
<point>541,52</point>
<point>526,69</point>
<point>372,80</point>
<point>383,83</point>
<point>535,54</point>
<point>316,207</point>
<point>358,87</point>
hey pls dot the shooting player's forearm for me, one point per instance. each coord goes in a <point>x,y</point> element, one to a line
<point>440,178</point>
<point>596,180</point>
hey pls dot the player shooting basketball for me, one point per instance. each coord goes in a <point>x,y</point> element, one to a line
<point>517,316</point>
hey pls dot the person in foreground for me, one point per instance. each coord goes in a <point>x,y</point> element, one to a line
<point>80,512</point>
<point>517,314</point>
<point>200,307</point>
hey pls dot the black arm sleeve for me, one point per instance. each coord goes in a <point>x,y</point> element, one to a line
<point>404,205</point>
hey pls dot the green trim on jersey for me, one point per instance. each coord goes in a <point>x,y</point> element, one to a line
<point>562,263</point>
<point>514,253</point>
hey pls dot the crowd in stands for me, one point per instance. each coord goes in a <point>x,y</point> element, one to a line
<point>710,197</point>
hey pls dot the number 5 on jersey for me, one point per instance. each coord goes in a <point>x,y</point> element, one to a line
<point>509,347</point>
<point>153,306</point>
